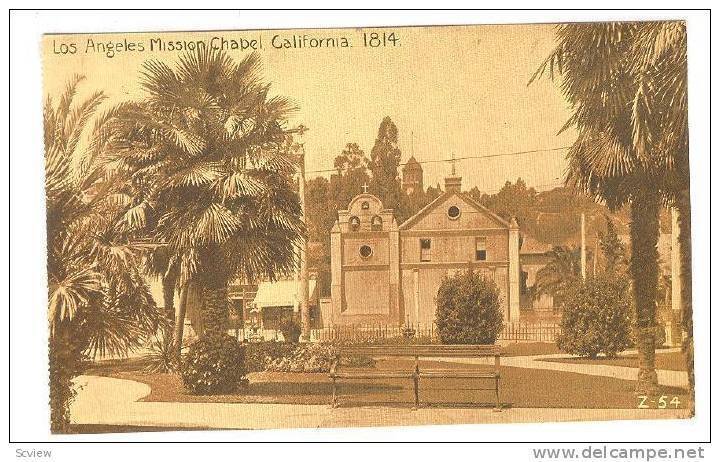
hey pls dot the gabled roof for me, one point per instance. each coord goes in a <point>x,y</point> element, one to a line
<point>531,245</point>
<point>425,210</point>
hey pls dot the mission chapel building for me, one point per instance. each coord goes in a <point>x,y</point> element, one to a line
<point>389,273</point>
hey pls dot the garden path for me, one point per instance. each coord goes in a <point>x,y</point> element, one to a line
<point>111,401</point>
<point>665,377</point>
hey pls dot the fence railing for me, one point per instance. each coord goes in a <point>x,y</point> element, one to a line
<point>512,332</point>
<point>373,333</point>
<point>530,332</point>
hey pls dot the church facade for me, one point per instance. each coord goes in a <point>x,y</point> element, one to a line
<point>389,273</point>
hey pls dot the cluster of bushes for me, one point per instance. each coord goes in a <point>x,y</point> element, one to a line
<point>396,340</point>
<point>258,356</point>
<point>306,357</point>
<point>468,313</point>
<point>215,365</point>
<point>302,357</point>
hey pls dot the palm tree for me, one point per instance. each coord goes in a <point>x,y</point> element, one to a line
<point>627,85</point>
<point>159,264</point>
<point>210,148</point>
<point>559,274</point>
<point>98,302</point>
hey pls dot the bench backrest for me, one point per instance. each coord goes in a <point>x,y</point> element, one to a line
<point>423,351</point>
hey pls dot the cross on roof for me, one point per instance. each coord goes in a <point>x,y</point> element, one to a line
<point>301,129</point>
<point>365,187</point>
<point>452,163</point>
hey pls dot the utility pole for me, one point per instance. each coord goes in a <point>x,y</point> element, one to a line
<point>596,254</point>
<point>675,282</point>
<point>303,288</point>
<point>582,245</point>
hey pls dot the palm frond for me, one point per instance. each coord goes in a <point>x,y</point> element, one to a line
<point>70,293</point>
<point>197,174</point>
<point>66,100</point>
<point>79,117</point>
<point>239,184</point>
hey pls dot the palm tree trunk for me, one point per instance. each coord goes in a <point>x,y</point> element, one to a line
<point>215,307</point>
<point>179,330</point>
<point>168,287</point>
<point>644,267</point>
<point>65,354</point>
<point>683,206</point>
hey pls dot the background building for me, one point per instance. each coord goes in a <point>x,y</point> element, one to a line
<point>412,176</point>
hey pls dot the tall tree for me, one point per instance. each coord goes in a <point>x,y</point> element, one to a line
<point>513,200</point>
<point>384,163</point>
<point>98,302</point>
<point>210,147</point>
<point>612,248</point>
<point>324,198</point>
<point>353,172</point>
<point>629,97</point>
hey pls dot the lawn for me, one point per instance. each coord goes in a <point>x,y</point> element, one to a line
<point>674,361</point>
<point>530,349</point>
<point>519,388</point>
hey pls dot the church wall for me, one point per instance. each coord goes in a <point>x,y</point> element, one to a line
<point>470,217</point>
<point>367,291</point>
<point>365,285</point>
<point>378,242</point>
<point>422,282</point>
<point>454,247</point>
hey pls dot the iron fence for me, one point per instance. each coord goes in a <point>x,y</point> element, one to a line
<point>512,332</point>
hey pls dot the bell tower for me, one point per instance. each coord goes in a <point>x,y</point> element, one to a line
<point>412,176</point>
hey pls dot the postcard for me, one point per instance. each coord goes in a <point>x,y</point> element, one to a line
<point>311,228</point>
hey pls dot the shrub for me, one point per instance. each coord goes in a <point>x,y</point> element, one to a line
<point>596,318</point>
<point>305,357</point>
<point>259,355</point>
<point>161,356</point>
<point>214,364</point>
<point>395,340</point>
<point>660,336</point>
<point>468,310</point>
<point>291,331</point>
<point>302,357</point>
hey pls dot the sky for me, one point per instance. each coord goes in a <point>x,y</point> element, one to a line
<point>459,90</point>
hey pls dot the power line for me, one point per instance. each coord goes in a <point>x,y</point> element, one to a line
<point>537,186</point>
<point>490,156</point>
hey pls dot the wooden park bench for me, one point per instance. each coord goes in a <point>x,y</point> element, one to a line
<point>414,371</point>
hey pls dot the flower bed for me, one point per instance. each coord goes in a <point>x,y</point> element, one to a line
<point>300,357</point>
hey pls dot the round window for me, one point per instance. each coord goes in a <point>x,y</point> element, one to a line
<point>453,212</point>
<point>365,251</point>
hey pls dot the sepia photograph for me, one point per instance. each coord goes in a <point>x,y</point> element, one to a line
<point>383,226</point>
